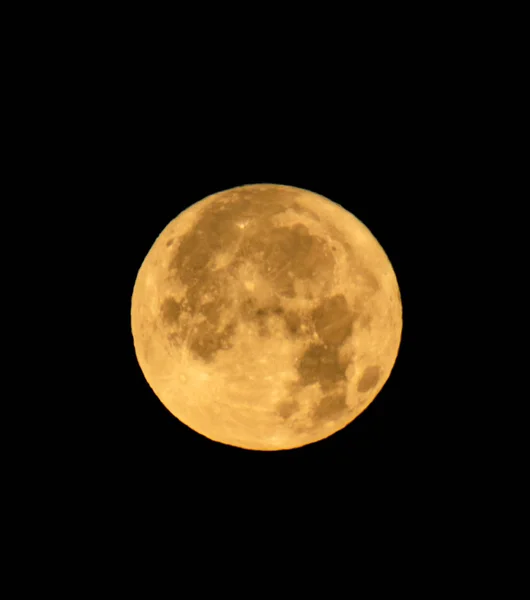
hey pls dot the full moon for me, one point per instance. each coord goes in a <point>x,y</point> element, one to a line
<point>266,317</point>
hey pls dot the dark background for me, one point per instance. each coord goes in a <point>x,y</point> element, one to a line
<point>118,127</point>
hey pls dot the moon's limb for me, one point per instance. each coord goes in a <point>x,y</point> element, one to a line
<point>266,317</point>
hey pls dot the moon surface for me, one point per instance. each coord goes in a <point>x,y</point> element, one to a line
<point>266,317</point>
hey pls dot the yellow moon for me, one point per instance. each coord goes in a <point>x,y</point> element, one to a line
<point>266,317</point>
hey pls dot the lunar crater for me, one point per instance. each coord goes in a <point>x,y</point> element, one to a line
<point>369,378</point>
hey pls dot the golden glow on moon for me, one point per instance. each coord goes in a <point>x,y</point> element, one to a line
<point>266,317</point>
